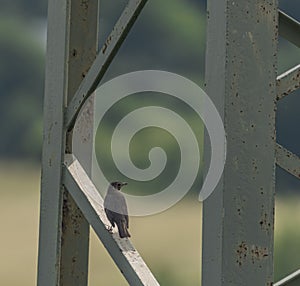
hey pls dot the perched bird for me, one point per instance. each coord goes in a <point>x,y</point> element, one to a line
<point>116,208</point>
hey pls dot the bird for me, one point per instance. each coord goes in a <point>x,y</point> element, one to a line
<point>115,208</point>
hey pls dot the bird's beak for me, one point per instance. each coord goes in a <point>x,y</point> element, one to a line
<point>124,184</point>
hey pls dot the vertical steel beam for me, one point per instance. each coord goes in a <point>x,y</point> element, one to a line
<point>104,58</point>
<point>238,218</point>
<point>71,48</point>
<point>53,144</point>
<point>82,49</point>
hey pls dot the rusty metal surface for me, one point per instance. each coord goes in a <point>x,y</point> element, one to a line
<point>64,232</point>
<point>65,219</point>
<point>288,82</point>
<point>103,59</point>
<point>289,28</point>
<point>288,161</point>
<point>82,50</point>
<point>238,218</point>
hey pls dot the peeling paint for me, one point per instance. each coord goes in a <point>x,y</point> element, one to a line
<point>258,253</point>
<point>254,253</point>
<point>242,252</point>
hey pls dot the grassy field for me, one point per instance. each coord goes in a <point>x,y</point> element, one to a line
<point>169,242</point>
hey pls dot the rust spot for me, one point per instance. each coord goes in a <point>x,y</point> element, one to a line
<point>104,48</point>
<point>72,216</point>
<point>49,133</point>
<point>74,53</point>
<point>261,190</point>
<point>85,4</point>
<point>265,221</point>
<point>106,44</point>
<point>242,252</point>
<point>258,253</point>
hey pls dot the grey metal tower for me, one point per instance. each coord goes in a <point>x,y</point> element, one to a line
<point>70,202</point>
<point>241,79</point>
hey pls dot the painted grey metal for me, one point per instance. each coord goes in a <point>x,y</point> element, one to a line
<point>89,200</point>
<point>288,161</point>
<point>288,82</point>
<point>291,280</point>
<point>82,50</point>
<point>64,232</point>
<point>104,58</point>
<point>238,218</point>
<point>53,144</point>
<point>65,219</point>
<point>289,28</point>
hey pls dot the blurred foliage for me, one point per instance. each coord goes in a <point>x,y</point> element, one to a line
<point>21,89</point>
<point>288,116</point>
<point>170,35</point>
<point>146,139</point>
<point>24,9</point>
<point>175,41</point>
<point>287,236</point>
<point>171,42</point>
<point>178,228</point>
<point>163,38</point>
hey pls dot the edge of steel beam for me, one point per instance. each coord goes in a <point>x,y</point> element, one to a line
<point>82,49</point>
<point>291,280</point>
<point>238,217</point>
<point>53,144</point>
<point>289,28</point>
<point>103,59</point>
<point>288,82</point>
<point>288,161</point>
<point>90,202</point>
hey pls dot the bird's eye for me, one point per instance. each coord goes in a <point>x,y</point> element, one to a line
<point>119,185</point>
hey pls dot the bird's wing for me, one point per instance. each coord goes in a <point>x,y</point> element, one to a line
<point>127,220</point>
<point>115,201</point>
<point>122,206</point>
<point>110,216</point>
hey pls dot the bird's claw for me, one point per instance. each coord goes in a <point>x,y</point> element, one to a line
<point>109,228</point>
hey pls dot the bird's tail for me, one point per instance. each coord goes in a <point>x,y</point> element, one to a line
<point>123,231</point>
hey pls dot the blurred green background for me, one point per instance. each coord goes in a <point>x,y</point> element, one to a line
<point>174,41</point>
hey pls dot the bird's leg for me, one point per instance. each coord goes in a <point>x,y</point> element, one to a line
<point>109,228</point>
